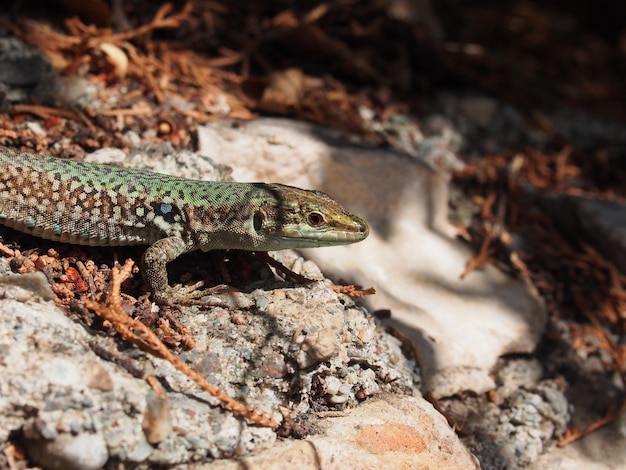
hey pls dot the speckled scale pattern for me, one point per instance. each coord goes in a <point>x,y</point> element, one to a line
<point>89,204</point>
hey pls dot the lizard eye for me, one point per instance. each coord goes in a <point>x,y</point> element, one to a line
<point>257,220</point>
<point>315,219</point>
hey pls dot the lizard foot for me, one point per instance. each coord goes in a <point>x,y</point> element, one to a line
<point>217,296</point>
<point>190,295</point>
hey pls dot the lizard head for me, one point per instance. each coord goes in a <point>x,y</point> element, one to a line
<point>288,217</point>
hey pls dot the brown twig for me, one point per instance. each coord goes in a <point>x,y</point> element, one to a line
<point>299,278</point>
<point>353,291</point>
<point>160,21</point>
<point>483,256</point>
<point>573,434</point>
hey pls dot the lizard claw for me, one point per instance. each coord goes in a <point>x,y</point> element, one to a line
<point>190,295</point>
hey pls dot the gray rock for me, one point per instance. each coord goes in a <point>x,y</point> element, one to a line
<point>56,392</point>
<point>35,283</point>
<point>523,427</point>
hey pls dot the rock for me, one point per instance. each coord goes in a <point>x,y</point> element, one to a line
<point>71,404</point>
<point>164,159</point>
<point>54,389</point>
<point>35,283</point>
<point>604,449</point>
<point>512,430</point>
<point>157,422</point>
<point>391,431</point>
<point>82,452</point>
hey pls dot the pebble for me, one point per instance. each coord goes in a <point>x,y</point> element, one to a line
<point>81,452</point>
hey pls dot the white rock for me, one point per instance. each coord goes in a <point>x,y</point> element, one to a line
<point>81,452</point>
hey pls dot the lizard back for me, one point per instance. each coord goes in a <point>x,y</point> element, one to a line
<point>101,205</point>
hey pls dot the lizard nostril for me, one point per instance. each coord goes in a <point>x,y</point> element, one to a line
<point>363,227</point>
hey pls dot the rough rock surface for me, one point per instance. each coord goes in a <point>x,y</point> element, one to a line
<point>391,431</point>
<point>306,349</point>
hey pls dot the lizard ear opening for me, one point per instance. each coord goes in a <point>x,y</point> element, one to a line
<point>257,220</point>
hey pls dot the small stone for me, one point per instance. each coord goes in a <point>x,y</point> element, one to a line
<point>157,423</point>
<point>99,378</point>
<point>338,399</point>
<point>82,452</point>
<point>35,282</point>
<point>321,346</point>
<point>367,334</point>
<point>331,385</point>
<point>274,365</point>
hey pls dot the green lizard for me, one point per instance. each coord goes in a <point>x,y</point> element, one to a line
<point>101,205</point>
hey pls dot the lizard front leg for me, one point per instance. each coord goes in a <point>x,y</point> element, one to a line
<point>154,268</point>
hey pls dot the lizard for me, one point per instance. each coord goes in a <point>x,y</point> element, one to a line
<point>94,204</point>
